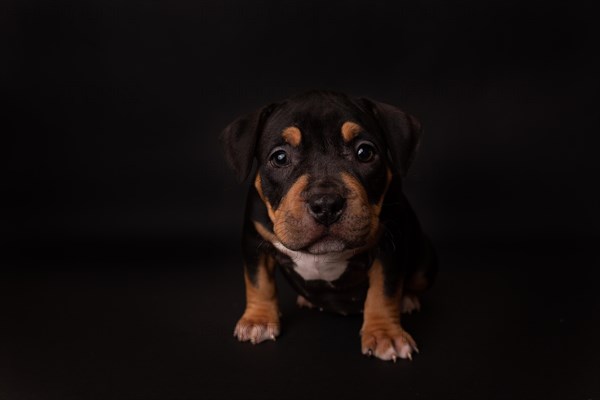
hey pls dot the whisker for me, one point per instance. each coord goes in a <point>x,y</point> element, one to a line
<point>260,244</point>
<point>389,235</point>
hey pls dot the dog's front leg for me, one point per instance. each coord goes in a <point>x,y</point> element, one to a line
<point>381,333</point>
<point>260,321</point>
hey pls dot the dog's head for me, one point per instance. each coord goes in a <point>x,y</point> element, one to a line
<point>325,162</point>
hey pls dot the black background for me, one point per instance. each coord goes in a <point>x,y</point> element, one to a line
<point>122,272</point>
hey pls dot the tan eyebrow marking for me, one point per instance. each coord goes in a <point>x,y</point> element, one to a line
<point>350,130</point>
<point>292,135</point>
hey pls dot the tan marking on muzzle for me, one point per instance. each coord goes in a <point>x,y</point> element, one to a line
<point>291,210</point>
<point>292,136</point>
<point>287,216</point>
<point>350,130</point>
<point>258,186</point>
<point>377,207</point>
<point>264,232</point>
<point>356,204</point>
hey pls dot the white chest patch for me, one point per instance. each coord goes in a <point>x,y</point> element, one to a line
<point>327,267</point>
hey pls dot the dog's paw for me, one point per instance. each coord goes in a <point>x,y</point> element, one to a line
<point>410,303</point>
<point>256,330</point>
<point>388,343</point>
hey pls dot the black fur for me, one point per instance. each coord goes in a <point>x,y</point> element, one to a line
<point>322,154</point>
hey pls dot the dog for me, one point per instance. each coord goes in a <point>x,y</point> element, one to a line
<point>326,207</point>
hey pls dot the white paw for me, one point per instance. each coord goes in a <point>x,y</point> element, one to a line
<point>255,332</point>
<point>388,344</point>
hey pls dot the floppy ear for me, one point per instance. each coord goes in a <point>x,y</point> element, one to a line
<point>402,133</point>
<point>239,140</point>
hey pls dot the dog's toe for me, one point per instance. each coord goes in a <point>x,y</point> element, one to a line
<point>388,344</point>
<point>255,331</point>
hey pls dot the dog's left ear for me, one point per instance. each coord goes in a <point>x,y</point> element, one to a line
<point>402,132</point>
<point>239,140</point>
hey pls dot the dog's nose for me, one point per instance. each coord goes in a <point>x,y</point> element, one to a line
<point>326,208</point>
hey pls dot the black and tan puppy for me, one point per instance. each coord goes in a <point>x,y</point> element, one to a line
<point>326,207</point>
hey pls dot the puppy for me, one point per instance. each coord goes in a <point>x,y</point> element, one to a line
<point>326,207</point>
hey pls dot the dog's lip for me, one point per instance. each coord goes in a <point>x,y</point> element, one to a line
<point>326,244</point>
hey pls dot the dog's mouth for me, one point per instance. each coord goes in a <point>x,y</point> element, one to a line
<point>326,244</point>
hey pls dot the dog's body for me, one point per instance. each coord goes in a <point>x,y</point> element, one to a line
<point>326,206</point>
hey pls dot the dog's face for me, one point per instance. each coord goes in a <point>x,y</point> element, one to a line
<point>325,162</point>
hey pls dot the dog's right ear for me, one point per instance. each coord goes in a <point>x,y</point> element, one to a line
<point>239,140</point>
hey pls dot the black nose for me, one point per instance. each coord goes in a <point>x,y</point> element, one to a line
<point>326,208</point>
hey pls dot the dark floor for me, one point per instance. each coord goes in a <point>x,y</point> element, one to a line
<point>154,320</point>
<point>111,128</point>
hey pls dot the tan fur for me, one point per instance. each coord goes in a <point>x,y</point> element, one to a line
<point>350,130</point>
<point>261,317</point>
<point>292,136</point>
<point>258,186</point>
<point>287,218</point>
<point>291,222</point>
<point>264,232</point>
<point>358,203</point>
<point>377,207</point>
<point>381,333</point>
<point>295,227</point>
<point>261,296</point>
<point>381,310</point>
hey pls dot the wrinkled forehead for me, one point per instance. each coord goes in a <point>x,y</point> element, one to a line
<point>317,126</point>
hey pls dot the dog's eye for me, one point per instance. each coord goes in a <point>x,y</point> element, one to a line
<point>279,159</point>
<point>365,152</point>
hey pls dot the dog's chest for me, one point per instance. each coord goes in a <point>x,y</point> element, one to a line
<point>336,282</point>
<point>325,267</point>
